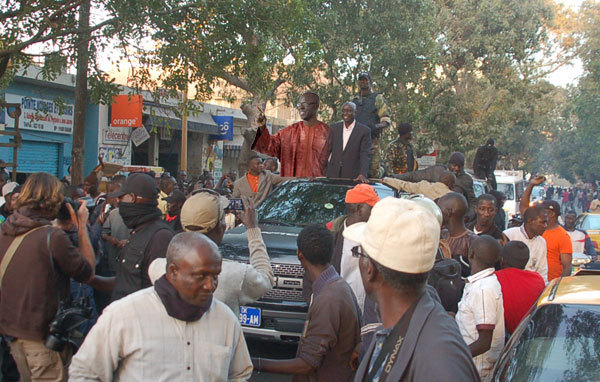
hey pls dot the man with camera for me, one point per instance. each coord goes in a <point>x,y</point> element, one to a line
<point>36,263</point>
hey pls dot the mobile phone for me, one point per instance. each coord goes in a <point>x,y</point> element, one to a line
<point>235,204</point>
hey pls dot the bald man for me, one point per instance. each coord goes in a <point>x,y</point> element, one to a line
<point>520,288</point>
<point>454,233</point>
<point>480,316</point>
<point>166,331</point>
<point>428,189</point>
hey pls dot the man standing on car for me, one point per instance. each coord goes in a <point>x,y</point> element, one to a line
<point>258,183</point>
<point>485,162</point>
<point>332,328</point>
<point>302,148</point>
<point>372,111</point>
<point>150,236</point>
<point>350,147</point>
<point>395,257</point>
<point>400,156</point>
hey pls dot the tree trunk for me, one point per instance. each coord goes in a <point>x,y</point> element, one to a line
<point>80,94</point>
<point>249,133</point>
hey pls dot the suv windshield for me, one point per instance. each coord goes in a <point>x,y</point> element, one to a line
<point>303,203</point>
<point>508,189</point>
<point>560,343</point>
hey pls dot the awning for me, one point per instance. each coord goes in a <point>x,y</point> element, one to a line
<point>199,123</point>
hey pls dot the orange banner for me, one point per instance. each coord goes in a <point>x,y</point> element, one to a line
<point>126,111</point>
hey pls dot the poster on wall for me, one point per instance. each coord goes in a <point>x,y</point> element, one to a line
<point>42,114</point>
<point>214,158</point>
<point>115,154</point>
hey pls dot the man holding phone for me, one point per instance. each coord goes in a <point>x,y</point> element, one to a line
<point>257,183</point>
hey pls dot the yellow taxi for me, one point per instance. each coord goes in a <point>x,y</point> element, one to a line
<point>557,340</point>
<point>590,222</point>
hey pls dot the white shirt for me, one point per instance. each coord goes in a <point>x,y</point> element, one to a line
<point>578,240</point>
<point>538,253</point>
<point>482,307</point>
<point>136,340</point>
<point>346,132</point>
<point>349,271</point>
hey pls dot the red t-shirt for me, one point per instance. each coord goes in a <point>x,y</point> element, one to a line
<point>520,290</point>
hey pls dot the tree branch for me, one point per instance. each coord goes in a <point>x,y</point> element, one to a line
<point>277,84</point>
<point>236,81</point>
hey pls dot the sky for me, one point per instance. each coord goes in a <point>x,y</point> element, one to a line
<point>568,74</point>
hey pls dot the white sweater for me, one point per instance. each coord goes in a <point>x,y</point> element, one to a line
<point>239,283</point>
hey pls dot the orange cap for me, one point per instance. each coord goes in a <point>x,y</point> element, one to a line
<point>362,193</point>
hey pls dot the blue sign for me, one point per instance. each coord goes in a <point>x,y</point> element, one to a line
<point>225,126</point>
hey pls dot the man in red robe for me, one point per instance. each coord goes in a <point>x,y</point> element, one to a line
<point>302,148</point>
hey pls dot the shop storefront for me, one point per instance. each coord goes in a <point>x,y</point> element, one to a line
<point>46,125</point>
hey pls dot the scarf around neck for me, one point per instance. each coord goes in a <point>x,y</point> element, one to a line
<point>175,306</point>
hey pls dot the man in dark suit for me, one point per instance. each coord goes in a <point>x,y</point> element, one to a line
<point>350,147</point>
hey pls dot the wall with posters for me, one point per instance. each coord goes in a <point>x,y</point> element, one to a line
<point>46,125</point>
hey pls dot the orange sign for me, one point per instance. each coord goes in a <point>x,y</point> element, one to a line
<point>126,111</point>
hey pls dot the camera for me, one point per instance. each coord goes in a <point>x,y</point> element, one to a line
<point>63,212</point>
<point>63,328</point>
<point>235,204</point>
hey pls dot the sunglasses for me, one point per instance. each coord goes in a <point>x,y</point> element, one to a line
<point>358,252</point>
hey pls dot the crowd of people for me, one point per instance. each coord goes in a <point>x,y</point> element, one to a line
<point>123,278</point>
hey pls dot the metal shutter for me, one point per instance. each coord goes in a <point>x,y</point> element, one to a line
<point>36,156</point>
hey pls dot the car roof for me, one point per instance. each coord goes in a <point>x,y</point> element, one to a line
<point>572,290</point>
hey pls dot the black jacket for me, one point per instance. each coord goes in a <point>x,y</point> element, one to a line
<point>354,159</point>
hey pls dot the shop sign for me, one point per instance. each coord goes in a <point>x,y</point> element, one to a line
<point>115,135</point>
<point>126,111</point>
<point>42,114</point>
<point>225,127</point>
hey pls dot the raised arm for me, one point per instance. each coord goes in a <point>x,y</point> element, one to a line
<point>526,198</point>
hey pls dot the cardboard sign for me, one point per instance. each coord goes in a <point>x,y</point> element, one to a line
<point>126,111</point>
<point>139,136</point>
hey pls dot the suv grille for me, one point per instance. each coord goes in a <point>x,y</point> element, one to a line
<point>283,294</point>
<point>288,270</point>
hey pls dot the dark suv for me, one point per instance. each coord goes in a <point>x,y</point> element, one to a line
<point>280,314</point>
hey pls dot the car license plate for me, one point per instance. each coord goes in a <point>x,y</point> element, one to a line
<point>250,316</point>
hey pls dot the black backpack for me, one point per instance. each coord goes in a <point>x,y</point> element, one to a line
<point>445,278</point>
